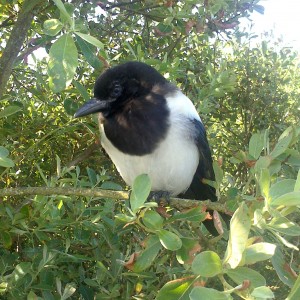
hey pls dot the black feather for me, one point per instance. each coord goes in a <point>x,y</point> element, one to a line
<point>199,190</point>
<point>142,124</point>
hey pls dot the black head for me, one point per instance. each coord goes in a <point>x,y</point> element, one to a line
<point>118,85</point>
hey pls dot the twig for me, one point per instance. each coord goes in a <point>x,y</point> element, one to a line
<point>84,155</point>
<point>177,203</point>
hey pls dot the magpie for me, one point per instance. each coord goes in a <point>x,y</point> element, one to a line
<point>148,126</point>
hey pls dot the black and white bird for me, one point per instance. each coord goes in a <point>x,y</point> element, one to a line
<point>148,126</point>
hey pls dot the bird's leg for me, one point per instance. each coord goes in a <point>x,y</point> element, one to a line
<point>158,196</point>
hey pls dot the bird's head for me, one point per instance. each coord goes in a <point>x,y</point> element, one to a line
<point>118,85</point>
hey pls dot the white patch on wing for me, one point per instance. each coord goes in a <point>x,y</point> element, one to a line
<point>180,104</point>
<point>173,163</point>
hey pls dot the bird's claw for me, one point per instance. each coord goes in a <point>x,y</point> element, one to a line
<point>159,196</point>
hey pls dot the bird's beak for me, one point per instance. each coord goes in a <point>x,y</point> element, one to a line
<point>91,107</point>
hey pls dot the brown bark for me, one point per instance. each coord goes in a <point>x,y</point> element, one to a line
<point>16,40</point>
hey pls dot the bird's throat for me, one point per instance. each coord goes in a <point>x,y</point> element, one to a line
<point>101,118</point>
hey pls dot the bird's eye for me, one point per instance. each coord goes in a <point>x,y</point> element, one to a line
<point>116,90</point>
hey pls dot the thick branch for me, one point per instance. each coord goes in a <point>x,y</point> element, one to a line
<point>16,40</point>
<point>50,191</point>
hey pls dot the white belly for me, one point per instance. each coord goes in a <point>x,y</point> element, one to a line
<point>172,165</point>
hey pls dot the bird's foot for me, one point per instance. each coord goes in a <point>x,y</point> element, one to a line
<point>159,196</point>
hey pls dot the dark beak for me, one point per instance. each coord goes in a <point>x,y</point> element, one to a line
<point>91,107</point>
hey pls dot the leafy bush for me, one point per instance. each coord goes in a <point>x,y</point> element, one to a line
<point>98,247</point>
<point>69,231</point>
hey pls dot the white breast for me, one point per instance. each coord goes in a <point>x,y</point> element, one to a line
<point>172,165</point>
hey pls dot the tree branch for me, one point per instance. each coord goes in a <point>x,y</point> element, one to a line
<point>16,40</point>
<point>177,203</point>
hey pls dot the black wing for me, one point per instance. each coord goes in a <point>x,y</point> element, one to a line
<point>198,190</point>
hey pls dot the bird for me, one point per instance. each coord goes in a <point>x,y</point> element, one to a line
<point>149,126</point>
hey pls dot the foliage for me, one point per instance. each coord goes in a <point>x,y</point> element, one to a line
<point>66,247</point>
<point>264,97</point>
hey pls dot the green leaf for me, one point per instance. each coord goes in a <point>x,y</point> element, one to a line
<point>52,27</point>
<point>218,173</point>
<point>258,252</point>
<point>264,47</point>
<point>6,162</point>
<point>88,51</point>
<point>71,106</point>
<point>110,185</point>
<point>295,292</point>
<point>239,274</point>
<point>262,292</point>
<point>297,184</point>
<point>240,225</point>
<point>262,163</point>
<point>90,39</point>
<point>164,28</point>
<point>83,92</point>
<point>285,242</point>
<point>63,11</point>
<point>147,256</point>
<point>264,183</point>
<point>282,145</point>
<point>9,110</point>
<point>169,240</point>
<point>3,152</point>
<point>70,8</point>
<point>207,264</point>
<point>127,44</point>
<point>285,226</point>
<point>289,199</point>
<point>91,282</point>
<point>293,157</point>
<point>153,220</point>
<point>275,166</point>
<point>20,271</point>
<point>6,239</point>
<point>195,214</point>
<point>178,289</point>
<point>207,294</point>
<point>188,249</point>
<point>282,268</point>
<point>63,61</point>
<point>69,290</point>
<point>81,25</point>
<point>125,218</point>
<point>281,187</point>
<point>140,191</point>
<point>86,292</point>
<point>32,296</point>
<point>258,219</point>
<point>256,145</point>
<point>92,175</point>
